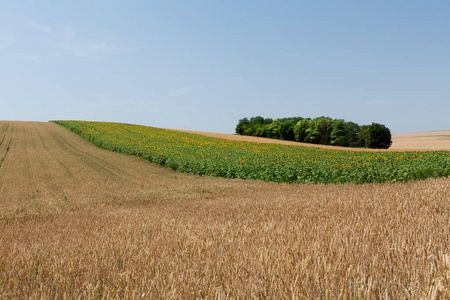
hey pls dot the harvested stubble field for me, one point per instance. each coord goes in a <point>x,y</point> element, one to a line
<point>78,222</point>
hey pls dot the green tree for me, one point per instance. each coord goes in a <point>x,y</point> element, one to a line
<point>353,132</point>
<point>272,130</point>
<point>365,136</point>
<point>242,126</point>
<point>322,130</point>
<point>259,130</point>
<point>257,120</point>
<point>311,132</point>
<point>380,136</point>
<point>286,129</point>
<point>338,135</point>
<point>268,121</point>
<point>300,130</point>
<point>250,130</point>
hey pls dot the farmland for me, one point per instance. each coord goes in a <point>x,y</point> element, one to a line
<point>80,222</point>
<point>418,141</point>
<point>201,155</point>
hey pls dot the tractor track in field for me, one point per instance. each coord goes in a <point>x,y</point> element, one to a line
<point>6,132</point>
<point>9,143</point>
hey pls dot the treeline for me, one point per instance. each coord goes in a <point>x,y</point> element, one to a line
<point>321,130</point>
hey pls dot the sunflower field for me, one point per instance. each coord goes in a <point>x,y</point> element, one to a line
<point>201,155</point>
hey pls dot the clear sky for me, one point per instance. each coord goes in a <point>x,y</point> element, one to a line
<point>203,65</point>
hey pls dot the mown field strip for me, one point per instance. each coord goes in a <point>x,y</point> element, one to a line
<point>81,222</point>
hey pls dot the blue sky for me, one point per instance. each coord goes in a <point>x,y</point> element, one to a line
<point>203,65</point>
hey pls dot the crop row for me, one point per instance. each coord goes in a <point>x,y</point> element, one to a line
<point>203,155</point>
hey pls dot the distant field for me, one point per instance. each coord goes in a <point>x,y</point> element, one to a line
<point>80,222</point>
<point>433,140</point>
<point>422,141</point>
<point>203,155</point>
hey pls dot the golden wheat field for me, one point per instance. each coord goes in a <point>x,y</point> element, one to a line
<point>79,222</point>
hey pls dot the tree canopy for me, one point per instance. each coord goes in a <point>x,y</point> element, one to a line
<point>321,130</point>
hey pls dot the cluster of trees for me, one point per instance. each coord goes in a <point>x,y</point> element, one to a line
<point>321,130</point>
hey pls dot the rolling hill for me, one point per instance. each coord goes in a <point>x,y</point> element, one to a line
<point>81,222</point>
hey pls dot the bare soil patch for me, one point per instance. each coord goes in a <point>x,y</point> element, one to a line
<point>81,222</point>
